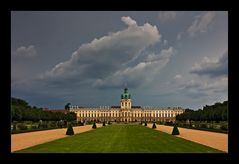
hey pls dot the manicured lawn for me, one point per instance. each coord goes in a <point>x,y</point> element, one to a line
<point>121,139</point>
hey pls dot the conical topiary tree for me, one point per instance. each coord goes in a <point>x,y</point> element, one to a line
<point>94,125</point>
<point>145,124</point>
<point>104,123</point>
<point>175,130</point>
<point>70,130</point>
<point>154,126</point>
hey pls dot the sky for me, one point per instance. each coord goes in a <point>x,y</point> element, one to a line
<point>86,58</point>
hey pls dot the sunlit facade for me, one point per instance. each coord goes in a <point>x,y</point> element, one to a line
<point>126,112</point>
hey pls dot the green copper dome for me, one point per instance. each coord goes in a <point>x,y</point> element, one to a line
<point>125,95</point>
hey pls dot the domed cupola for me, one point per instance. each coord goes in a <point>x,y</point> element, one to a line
<point>125,99</point>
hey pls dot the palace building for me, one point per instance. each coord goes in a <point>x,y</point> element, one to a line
<point>126,112</point>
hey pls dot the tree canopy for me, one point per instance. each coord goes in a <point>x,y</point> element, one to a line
<point>216,112</point>
<point>22,111</point>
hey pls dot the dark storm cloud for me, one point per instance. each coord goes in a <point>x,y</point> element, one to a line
<point>55,58</point>
<point>212,68</point>
<point>108,58</point>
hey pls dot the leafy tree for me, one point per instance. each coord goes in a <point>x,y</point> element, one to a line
<point>21,111</point>
<point>67,106</point>
<point>19,102</point>
<point>217,112</point>
<point>71,116</point>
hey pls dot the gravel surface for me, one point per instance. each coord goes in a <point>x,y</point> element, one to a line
<point>25,140</point>
<point>212,139</point>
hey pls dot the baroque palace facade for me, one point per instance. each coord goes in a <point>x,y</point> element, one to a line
<point>126,112</point>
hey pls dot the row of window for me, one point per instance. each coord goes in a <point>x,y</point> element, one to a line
<point>117,112</point>
<point>125,114</point>
<point>125,104</point>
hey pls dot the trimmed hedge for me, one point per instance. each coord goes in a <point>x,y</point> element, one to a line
<point>70,130</point>
<point>22,127</point>
<point>94,125</point>
<point>175,130</point>
<point>154,126</point>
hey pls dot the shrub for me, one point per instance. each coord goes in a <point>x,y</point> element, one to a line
<point>175,130</point>
<point>145,124</point>
<point>33,127</point>
<point>94,125</point>
<point>169,123</point>
<point>90,122</point>
<point>43,125</point>
<point>224,127</point>
<point>70,130</point>
<point>14,127</point>
<point>80,123</point>
<point>109,123</point>
<point>104,123</point>
<point>22,126</point>
<point>203,125</point>
<point>51,124</point>
<point>154,126</point>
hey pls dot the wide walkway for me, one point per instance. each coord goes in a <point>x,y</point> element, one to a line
<point>25,140</point>
<point>212,139</point>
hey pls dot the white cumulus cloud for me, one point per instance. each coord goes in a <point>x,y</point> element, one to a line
<point>129,21</point>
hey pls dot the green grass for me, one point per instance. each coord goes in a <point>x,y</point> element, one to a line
<point>121,139</point>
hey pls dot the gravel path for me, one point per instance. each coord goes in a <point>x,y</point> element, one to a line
<point>25,140</point>
<point>212,139</point>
